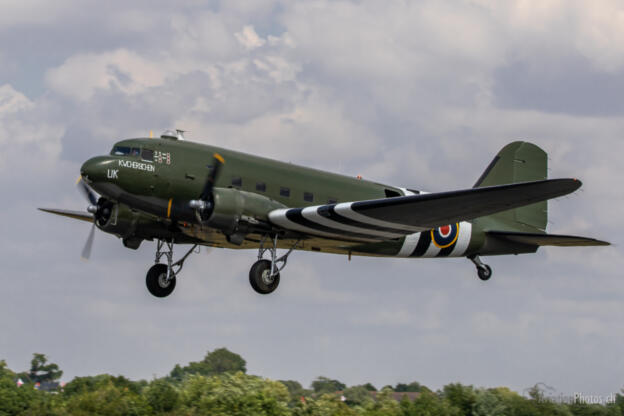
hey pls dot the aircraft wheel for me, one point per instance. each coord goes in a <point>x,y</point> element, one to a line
<point>260,277</point>
<point>156,281</point>
<point>484,272</point>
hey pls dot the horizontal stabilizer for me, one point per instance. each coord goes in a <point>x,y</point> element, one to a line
<point>536,239</point>
<point>77,215</point>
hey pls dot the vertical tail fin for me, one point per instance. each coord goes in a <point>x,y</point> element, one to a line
<point>518,162</point>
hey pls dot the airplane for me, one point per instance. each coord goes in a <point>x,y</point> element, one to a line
<point>175,191</point>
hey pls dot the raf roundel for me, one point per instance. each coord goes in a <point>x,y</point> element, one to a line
<point>445,236</point>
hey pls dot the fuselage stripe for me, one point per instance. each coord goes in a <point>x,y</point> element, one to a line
<point>328,211</point>
<point>346,210</point>
<point>312,214</point>
<point>279,217</point>
<point>423,244</point>
<point>295,215</point>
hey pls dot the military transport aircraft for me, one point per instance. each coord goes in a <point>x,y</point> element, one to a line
<point>178,192</point>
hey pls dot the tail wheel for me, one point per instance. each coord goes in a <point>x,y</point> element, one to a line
<point>261,279</point>
<point>484,272</point>
<point>157,283</point>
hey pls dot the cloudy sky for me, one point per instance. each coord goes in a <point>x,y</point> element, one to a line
<point>413,93</point>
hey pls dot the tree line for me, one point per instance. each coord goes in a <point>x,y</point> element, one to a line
<point>219,385</point>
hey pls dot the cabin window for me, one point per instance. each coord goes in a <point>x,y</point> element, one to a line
<point>261,186</point>
<point>120,151</point>
<point>147,155</point>
<point>284,191</point>
<point>332,201</point>
<point>308,196</point>
<point>237,181</point>
<point>391,193</point>
<point>135,151</point>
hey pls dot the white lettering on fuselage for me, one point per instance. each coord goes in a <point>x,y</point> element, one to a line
<point>112,173</point>
<point>137,165</point>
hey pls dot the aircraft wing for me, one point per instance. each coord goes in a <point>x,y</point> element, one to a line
<point>77,215</point>
<point>389,218</point>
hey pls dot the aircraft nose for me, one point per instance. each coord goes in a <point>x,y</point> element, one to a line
<point>94,169</point>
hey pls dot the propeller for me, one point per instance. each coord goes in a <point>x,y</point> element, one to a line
<point>86,250</point>
<point>203,205</point>
<point>87,192</point>
<point>217,162</point>
<point>93,209</point>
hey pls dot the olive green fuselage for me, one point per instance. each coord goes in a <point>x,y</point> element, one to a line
<point>153,180</point>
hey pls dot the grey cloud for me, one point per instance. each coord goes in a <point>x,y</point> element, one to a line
<point>560,84</point>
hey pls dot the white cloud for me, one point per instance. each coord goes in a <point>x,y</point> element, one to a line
<point>80,76</point>
<point>249,38</point>
<point>28,138</point>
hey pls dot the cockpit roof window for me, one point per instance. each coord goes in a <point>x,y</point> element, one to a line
<point>120,151</point>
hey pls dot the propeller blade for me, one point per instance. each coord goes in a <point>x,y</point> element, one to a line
<point>217,162</point>
<point>86,250</point>
<point>86,191</point>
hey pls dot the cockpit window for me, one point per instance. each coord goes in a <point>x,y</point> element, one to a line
<point>147,155</point>
<point>125,151</point>
<point>120,151</point>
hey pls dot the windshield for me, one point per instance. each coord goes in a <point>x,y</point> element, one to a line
<point>125,151</point>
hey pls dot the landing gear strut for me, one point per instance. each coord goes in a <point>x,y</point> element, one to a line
<point>264,275</point>
<point>161,278</point>
<point>483,270</point>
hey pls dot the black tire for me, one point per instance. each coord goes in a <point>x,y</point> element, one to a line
<point>259,279</point>
<point>156,281</point>
<point>484,272</point>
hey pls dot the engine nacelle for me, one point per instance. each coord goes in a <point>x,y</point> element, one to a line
<point>117,219</point>
<point>230,206</point>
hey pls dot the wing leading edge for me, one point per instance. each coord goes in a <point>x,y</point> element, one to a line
<point>389,218</point>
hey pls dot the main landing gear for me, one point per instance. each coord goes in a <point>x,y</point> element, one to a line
<point>161,278</point>
<point>483,270</point>
<point>264,275</point>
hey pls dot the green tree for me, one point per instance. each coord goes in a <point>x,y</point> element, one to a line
<point>325,405</point>
<point>216,362</point>
<point>461,397</point>
<point>234,395</point>
<point>544,406</point>
<point>370,387</point>
<point>15,400</point>
<point>324,385</point>
<point>429,404</point>
<point>488,404</point>
<point>5,371</point>
<point>414,386</point>
<point>86,384</point>
<point>42,371</point>
<point>106,399</point>
<point>162,396</point>
<point>357,396</point>
<point>384,405</point>
<point>296,390</point>
<point>582,409</point>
